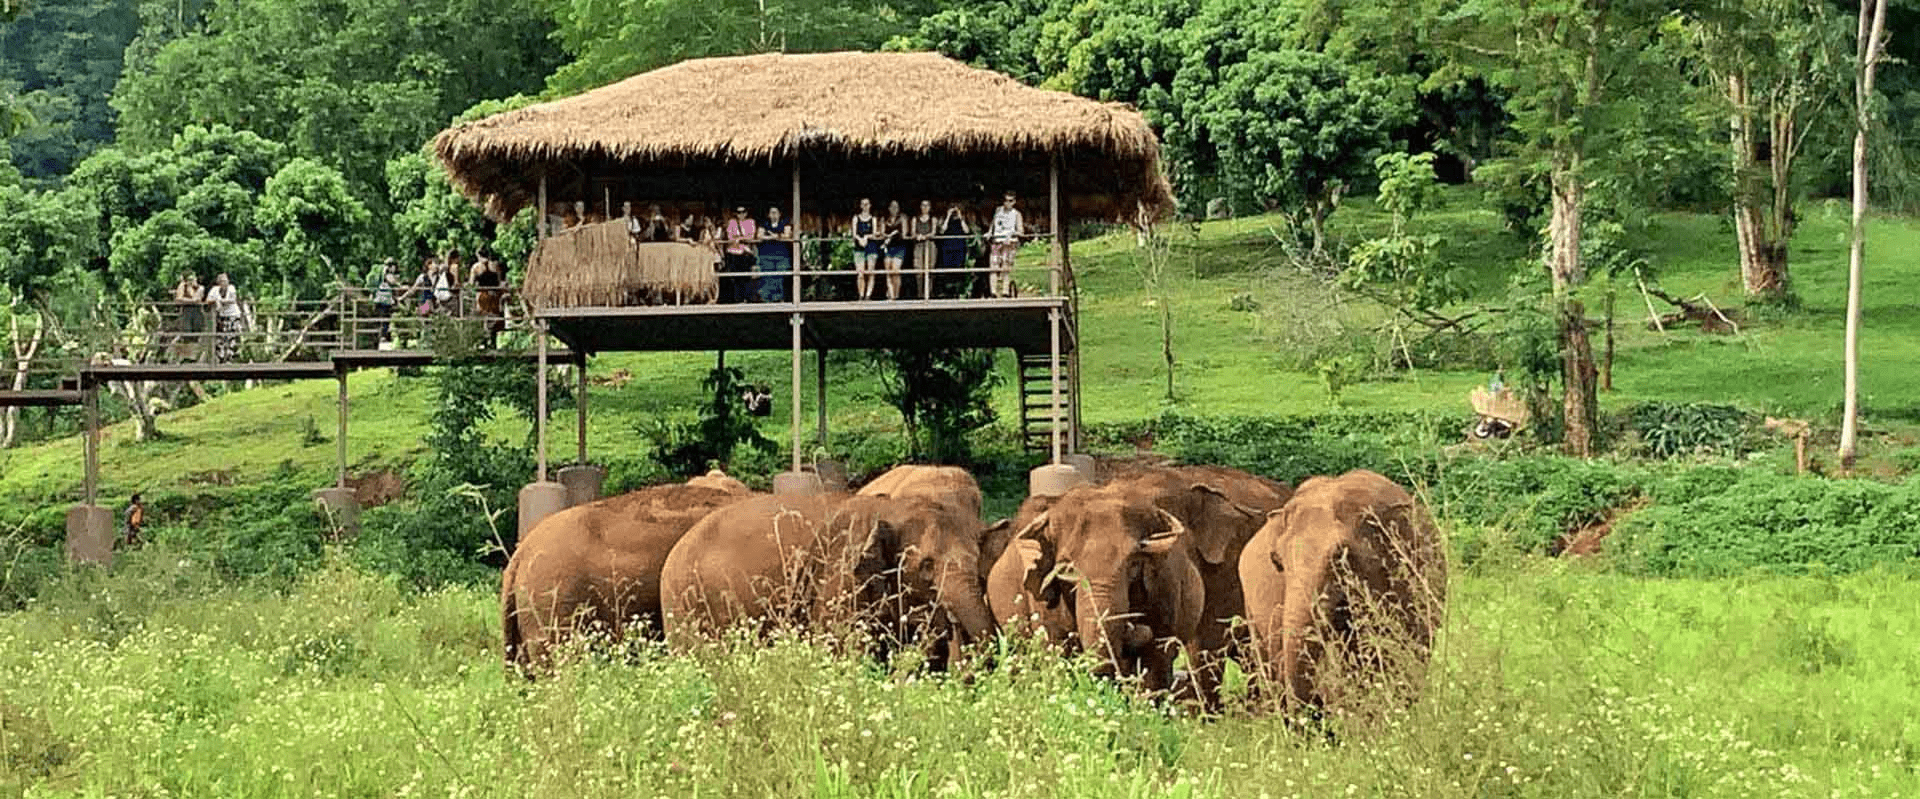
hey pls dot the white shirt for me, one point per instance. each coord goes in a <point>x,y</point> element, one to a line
<point>226,301</point>
<point>1006,223</point>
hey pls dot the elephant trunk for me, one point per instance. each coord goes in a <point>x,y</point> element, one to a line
<point>1104,627</point>
<point>1300,643</point>
<point>962,598</point>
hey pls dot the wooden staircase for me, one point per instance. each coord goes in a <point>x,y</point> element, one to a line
<point>1036,402</point>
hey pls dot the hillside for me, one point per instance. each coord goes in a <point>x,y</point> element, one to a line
<point>1256,362</point>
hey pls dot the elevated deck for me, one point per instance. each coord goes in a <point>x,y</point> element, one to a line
<point>1017,323</point>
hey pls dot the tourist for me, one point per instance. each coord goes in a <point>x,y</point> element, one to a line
<point>423,285</point>
<point>489,283</point>
<point>866,248</point>
<point>191,298</point>
<point>776,255</point>
<point>895,228</point>
<point>953,243</point>
<point>136,520</point>
<point>741,229</point>
<point>654,229</point>
<point>225,299</point>
<point>447,291</point>
<point>1004,236</point>
<point>923,229</point>
<point>384,289</point>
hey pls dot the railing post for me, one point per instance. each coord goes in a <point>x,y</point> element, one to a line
<point>1055,257</point>
<point>799,251</point>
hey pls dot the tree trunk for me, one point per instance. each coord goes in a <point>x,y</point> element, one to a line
<point>1870,44</point>
<point>1606,362</point>
<point>1761,233</point>
<point>1579,402</point>
<point>23,355</point>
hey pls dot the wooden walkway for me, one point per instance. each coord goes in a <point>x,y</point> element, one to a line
<point>86,376</point>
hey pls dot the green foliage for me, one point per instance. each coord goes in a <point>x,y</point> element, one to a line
<point>690,449</point>
<point>1293,448</point>
<point>1669,429</point>
<point>349,85</point>
<point>63,58</point>
<point>1403,266</point>
<point>1285,128</point>
<point>943,396</point>
<point>1776,524</point>
<point>41,234</point>
<point>609,42</point>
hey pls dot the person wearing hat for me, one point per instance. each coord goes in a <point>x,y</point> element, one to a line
<point>741,232</point>
<point>385,285</point>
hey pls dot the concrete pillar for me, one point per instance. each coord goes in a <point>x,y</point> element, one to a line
<point>583,482</point>
<point>341,505</point>
<point>1054,479</point>
<point>833,475</point>
<point>1083,463</point>
<point>798,484</point>
<point>538,500</point>
<point>90,534</point>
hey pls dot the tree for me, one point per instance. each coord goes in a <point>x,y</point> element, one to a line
<point>350,84</point>
<point>1568,67</point>
<point>943,395</point>
<point>1767,63</point>
<point>1287,129</point>
<point>1869,48</point>
<point>64,58</point>
<point>612,41</point>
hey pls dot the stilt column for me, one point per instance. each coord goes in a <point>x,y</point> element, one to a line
<point>796,480</point>
<point>540,498</point>
<point>583,480</point>
<point>340,503</point>
<point>90,527</point>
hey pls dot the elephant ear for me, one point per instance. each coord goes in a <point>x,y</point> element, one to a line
<point>1222,523</point>
<point>994,539</point>
<point>1041,577</point>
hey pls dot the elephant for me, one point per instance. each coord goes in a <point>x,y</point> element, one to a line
<point>599,564</point>
<point>1022,601</point>
<point>1351,564</point>
<point>895,566</point>
<point>1141,568</point>
<point>945,484</point>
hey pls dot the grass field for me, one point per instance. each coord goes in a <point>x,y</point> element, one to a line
<point>1230,362</point>
<point>1553,681</point>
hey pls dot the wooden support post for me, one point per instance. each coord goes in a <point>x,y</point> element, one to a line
<point>820,384</point>
<point>540,421</point>
<point>1056,254</point>
<point>580,406</point>
<point>92,444</point>
<point>795,402</point>
<point>1053,370</point>
<point>540,217</point>
<point>341,479</point>
<point>799,252</point>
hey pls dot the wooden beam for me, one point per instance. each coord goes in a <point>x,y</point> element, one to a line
<point>540,421</point>
<point>796,321</point>
<point>1056,256</point>
<point>799,252</point>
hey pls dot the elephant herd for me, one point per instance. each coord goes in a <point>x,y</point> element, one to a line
<point>1305,588</point>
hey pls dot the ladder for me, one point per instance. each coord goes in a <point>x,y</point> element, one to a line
<point>1036,402</point>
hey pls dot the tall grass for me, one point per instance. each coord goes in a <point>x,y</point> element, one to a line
<point>1550,680</point>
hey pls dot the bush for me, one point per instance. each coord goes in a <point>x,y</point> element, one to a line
<point>1293,448</point>
<point>1669,429</point>
<point>1774,523</point>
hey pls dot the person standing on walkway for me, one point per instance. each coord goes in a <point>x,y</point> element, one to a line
<point>865,231</point>
<point>489,283</point>
<point>776,255</point>
<point>225,299</point>
<point>1004,235</point>
<point>386,287</point>
<point>954,233</point>
<point>740,231</point>
<point>191,300</point>
<point>923,228</point>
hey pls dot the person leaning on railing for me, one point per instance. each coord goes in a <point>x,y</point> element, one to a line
<point>225,298</point>
<point>923,228</point>
<point>776,255</point>
<point>1004,237</point>
<point>954,232</point>
<point>739,259</point>
<point>490,284</point>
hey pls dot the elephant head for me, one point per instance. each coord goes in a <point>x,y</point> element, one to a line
<point>932,551</point>
<point>1357,558</point>
<point>1121,564</point>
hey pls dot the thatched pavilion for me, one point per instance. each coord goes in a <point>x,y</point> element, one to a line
<point>811,134</point>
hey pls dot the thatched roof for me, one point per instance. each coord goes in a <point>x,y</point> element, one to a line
<point>728,129</point>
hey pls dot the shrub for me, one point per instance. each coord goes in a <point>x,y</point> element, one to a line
<point>1774,523</point>
<point>1669,429</point>
<point>692,448</point>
